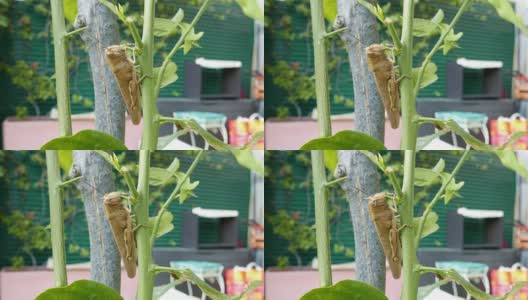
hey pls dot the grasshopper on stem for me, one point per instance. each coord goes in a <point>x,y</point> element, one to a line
<point>386,80</point>
<point>387,228</point>
<point>123,229</point>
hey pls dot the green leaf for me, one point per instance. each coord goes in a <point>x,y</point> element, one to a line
<point>505,11</point>
<point>430,225</point>
<point>244,157</point>
<point>178,17</point>
<point>330,160</point>
<point>169,76</point>
<point>164,27</point>
<point>425,177</point>
<point>110,6</point>
<point>70,10</point>
<point>161,176</point>
<point>110,158</point>
<point>345,290</point>
<point>429,77</point>
<point>79,290</point>
<point>85,140</point>
<point>251,9</point>
<point>165,225</point>
<point>440,166</point>
<point>345,140</point>
<point>426,28</point>
<point>65,160</point>
<point>330,10</point>
<point>452,188</point>
<point>187,187</point>
<point>509,159</point>
<point>191,38</point>
<point>472,290</point>
<point>450,42</point>
<point>213,293</point>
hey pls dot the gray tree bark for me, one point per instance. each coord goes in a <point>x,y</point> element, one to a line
<point>362,179</point>
<point>102,31</point>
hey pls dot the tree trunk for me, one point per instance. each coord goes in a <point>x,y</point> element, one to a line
<point>102,31</point>
<point>362,182</point>
<point>362,179</point>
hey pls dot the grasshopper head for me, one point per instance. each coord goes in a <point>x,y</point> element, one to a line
<point>115,51</point>
<point>113,198</point>
<point>376,50</point>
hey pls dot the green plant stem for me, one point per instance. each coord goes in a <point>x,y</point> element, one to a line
<point>394,182</point>
<point>335,32</point>
<point>150,126</point>
<point>130,183</point>
<point>178,44</point>
<point>440,192</point>
<point>321,218</point>
<point>69,181</point>
<point>61,67</point>
<point>334,182</point>
<point>74,32</point>
<point>56,218</point>
<point>393,34</point>
<point>173,196</point>
<point>410,277</point>
<point>408,99</point>
<point>321,68</point>
<point>144,249</point>
<point>465,5</point>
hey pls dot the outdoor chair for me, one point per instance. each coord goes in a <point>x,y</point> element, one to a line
<point>204,270</point>
<point>207,120</point>
<point>469,121</point>
<point>468,270</point>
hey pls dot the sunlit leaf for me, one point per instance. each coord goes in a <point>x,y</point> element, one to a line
<point>85,140</point>
<point>251,9</point>
<point>330,160</point>
<point>70,10</point>
<point>509,159</point>
<point>65,160</point>
<point>81,289</point>
<point>330,10</point>
<point>505,11</point>
<point>345,140</point>
<point>345,290</point>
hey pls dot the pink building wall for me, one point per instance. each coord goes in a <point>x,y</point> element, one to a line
<point>292,134</point>
<point>292,284</point>
<point>33,132</point>
<point>28,284</point>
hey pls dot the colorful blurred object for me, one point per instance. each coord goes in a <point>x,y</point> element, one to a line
<point>241,130</point>
<point>503,128</point>
<point>503,278</point>
<point>239,278</point>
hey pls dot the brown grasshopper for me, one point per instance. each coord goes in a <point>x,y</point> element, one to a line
<point>386,81</point>
<point>127,79</point>
<point>388,232</point>
<point>122,227</point>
